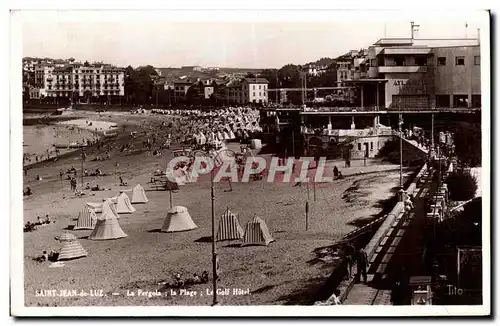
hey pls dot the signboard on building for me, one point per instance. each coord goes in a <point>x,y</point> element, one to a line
<point>409,86</point>
<point>406,91</point>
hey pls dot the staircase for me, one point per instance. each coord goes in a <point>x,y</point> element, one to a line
<point>415,144</point>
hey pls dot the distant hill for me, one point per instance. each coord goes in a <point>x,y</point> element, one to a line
<point>322,62</point>
<point>179,72</point>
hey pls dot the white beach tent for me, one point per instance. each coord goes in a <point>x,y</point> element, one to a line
<point>203,139</point>
<point>139,195</point>
<point>97,207</point>
<point>123,205</point>
<point>86,219</point>
<point>107,226</point>
<point>178,219</point>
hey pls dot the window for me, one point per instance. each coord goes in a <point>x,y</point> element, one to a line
<point>254,89</point>
<point>442,101</point>
<point>260,86</point>
<point>476,101</point>
<point>460,101</point>
<point>421,61</point>
<point>460,61</point>
<point>359,146</point>
<point>254,92</point>
<point>477,60</point>
<point>399,61</point>
<point>371,146</point>
<point>441,61</point>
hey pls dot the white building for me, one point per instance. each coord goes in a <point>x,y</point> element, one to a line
<point>248,90</point>
<point>80,81</point>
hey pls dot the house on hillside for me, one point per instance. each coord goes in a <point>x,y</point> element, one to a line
<point>200,92</point>
<point>248,90</point>
<point>181,87</point>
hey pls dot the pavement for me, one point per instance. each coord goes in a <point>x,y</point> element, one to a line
<point>409,249</point>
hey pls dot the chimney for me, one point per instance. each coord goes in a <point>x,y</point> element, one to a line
<point>478,36</point>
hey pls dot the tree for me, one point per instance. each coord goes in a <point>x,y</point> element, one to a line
<point>462,186</point>
<point>272,76</point>
<point>249,75</point>
<point>139,84</point>
<point>289,76</point>
<point>467,139</point>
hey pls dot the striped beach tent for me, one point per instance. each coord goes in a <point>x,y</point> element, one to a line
<point>86,219</point>
<point>107,226</point>
<point>71,248</point>
<point>229,227</point>
<point>257,233</point>
<point>177,220</point>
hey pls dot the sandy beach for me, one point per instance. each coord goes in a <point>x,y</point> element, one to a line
<point>288,271</point>
<point>97,126</point>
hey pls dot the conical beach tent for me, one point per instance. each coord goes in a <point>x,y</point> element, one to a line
<point>229,227</point>
<point>107,226</point>
<point>86,219</point>
<point>178,219</point>
<point>257,233</point>
<point>111,208</point>
<point>123,205</point>
<point>139,195</point>
<point>97,207</point>
<point>71,248</point>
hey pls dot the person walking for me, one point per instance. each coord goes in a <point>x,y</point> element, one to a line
<point>349,254</point>
<point>362,264</point>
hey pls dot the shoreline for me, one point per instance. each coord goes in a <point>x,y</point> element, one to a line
<point>81,124</point>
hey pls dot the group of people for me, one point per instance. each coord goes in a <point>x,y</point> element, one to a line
<point>30,226</point>
<point>358,258</point>
<point>180,282</point>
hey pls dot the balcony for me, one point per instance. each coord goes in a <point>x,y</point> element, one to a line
<point>401,69</point>
<point>407,51</point>
<point>368,132</point>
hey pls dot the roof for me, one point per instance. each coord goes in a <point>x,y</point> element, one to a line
<point>257,80</point>
<point>394,41</point>
<point>365,80</point>
<point>183,81</point>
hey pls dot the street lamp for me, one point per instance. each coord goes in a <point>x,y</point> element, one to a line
<point>198,153</point>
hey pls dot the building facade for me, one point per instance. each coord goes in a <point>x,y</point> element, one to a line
<point>247,90</point>
<point>421,76</point>
<point>79,82</point>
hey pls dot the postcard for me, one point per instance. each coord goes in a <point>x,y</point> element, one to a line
<point>257,163</point>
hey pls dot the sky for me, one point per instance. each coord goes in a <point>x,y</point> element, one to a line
<point>244,44</point>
